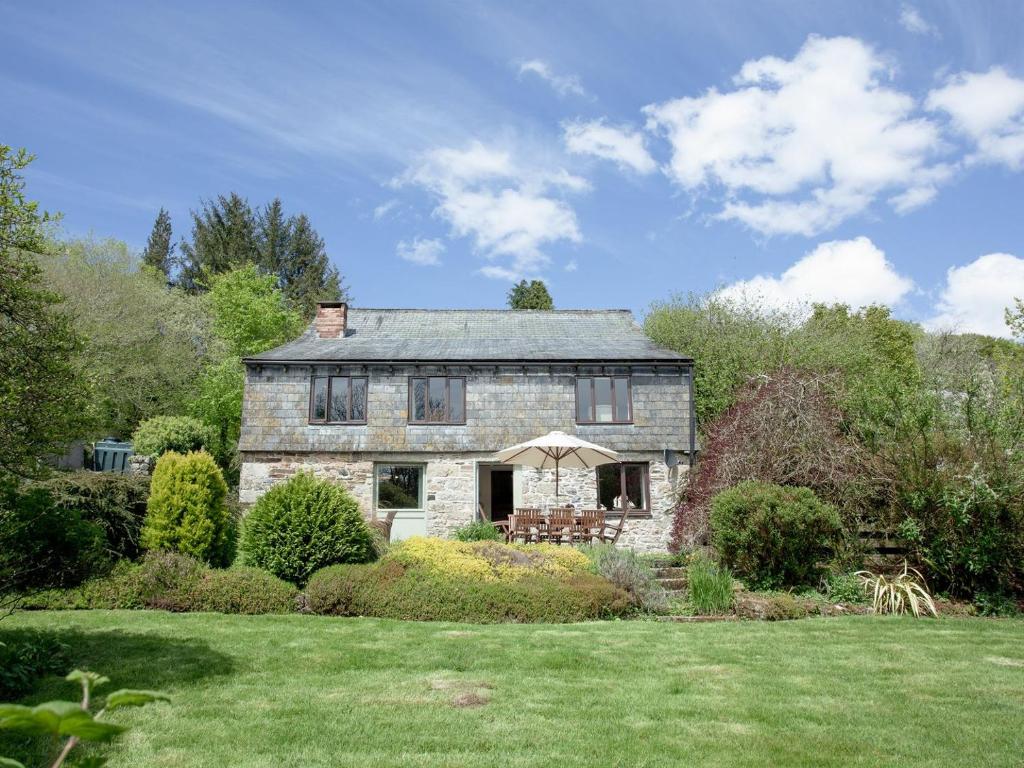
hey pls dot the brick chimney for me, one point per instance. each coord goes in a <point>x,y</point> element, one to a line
<point>331,319</point>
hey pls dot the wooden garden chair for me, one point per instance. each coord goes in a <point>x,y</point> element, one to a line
<point>611,533</point>
<point>559,525</point>
<point>526,525</point>
<point>590,525</point>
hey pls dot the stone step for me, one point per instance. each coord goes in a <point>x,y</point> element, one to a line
<point>670,572</point>
<point>673,593</point>
<point>672,583</point>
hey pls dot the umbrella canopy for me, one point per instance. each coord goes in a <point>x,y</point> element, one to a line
<point>557,449</point>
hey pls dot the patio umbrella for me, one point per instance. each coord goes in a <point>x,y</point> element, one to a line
<point>557,449</point>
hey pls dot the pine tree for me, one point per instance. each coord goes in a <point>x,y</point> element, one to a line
<point>532,295</point>
<point>160,248</point>
<point>275,234</point>
<point>224,236</point>
<point>306,275</point>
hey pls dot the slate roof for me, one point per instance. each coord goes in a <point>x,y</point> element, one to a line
<point>478,335</point>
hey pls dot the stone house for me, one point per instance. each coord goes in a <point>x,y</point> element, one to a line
<point>406,407</point>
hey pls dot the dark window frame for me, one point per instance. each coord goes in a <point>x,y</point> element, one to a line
<point>422,500</point>
<point>645,467</point>
<point>447,401</point>
<point>593,399</point>
<point>327,406</point>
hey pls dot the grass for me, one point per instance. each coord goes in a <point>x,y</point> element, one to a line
<point>312,691</point>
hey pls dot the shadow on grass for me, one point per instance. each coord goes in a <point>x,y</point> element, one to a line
<point>130,660</point>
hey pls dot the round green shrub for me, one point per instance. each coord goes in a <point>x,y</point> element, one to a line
<point>181,434</point>
<point>300,526</point>
<point>774,536</point>
<point>187,510</point>
<point>479,530</point>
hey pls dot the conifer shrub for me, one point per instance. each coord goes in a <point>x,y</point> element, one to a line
<point>774,536</point>
<point>114,502</point>
<point>187,510</point>
<point>300,526</point>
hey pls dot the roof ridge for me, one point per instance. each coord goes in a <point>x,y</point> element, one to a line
<point>486,309</point>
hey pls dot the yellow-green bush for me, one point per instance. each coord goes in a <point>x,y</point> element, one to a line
<point>187,510</point>
<point>389,589</point>
<point>488,560</point>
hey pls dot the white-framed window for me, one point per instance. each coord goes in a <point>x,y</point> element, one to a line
<point>399,486</point>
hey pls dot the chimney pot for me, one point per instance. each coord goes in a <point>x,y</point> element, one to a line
<point>331,319</point>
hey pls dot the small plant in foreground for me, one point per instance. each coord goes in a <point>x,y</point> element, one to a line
<point>479,530</point>
<point>897,594</point>
<point>710,586</point>
<point>73,720</point>
<point>845,588</point>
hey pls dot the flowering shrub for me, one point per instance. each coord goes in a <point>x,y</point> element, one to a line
<point>488,560</point>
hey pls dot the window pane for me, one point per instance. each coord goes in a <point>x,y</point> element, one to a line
<point>436,407</point>
<point>358,400</point>
<point>603,399</point>
<point>456,396</point>
<point>636,488</point>
<point>398,487</point>
<point>584,404</point>
<point>419,399</point>
<point>318,411</point>
<point>622,399</point>
<point>608,486</point>
<point>339,399</point>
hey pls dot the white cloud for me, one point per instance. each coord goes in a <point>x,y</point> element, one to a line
<point>800,145</point>
<point>976,295</point>
<point>988,108</point>
<point>853,272</point>
<point>571,266</point>
<point>621,145</point>
<point>562,84</point>
<point>384,209</point>
<point>421,251</point>
<point>509,210</point>
<point>912,21</point>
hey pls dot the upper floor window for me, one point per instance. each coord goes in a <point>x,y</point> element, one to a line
<point>604,400</point>
<point>337,400</point>
<point>437,400</point>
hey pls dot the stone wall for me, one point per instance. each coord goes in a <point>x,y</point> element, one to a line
<point>451,490</point>
<point>503,407</point>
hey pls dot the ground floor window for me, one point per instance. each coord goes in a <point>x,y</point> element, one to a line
<point>623,487</point>
<point>398,486</point>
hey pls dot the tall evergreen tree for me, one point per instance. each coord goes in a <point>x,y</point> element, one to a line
<point>530,295</point>
<point>160,248</point>
<point>306,275</point>
<point>275,233</point>
<point>224,236</point>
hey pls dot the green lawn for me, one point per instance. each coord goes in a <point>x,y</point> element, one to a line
<point>308,691</point>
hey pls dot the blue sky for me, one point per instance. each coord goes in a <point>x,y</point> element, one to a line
<point>861,152</point>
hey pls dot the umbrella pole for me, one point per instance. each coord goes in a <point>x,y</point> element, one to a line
<point>556,481</point>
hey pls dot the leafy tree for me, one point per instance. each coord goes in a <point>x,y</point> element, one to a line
<point>145,344</point>
<point>250,315</point>
<point>42,393</point>
<point>224,236</point>
<point>532,295</point>
<point>159,248</point>
<point>1015,318</point>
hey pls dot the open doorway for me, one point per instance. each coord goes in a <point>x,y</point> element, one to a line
<point>496,483</point>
